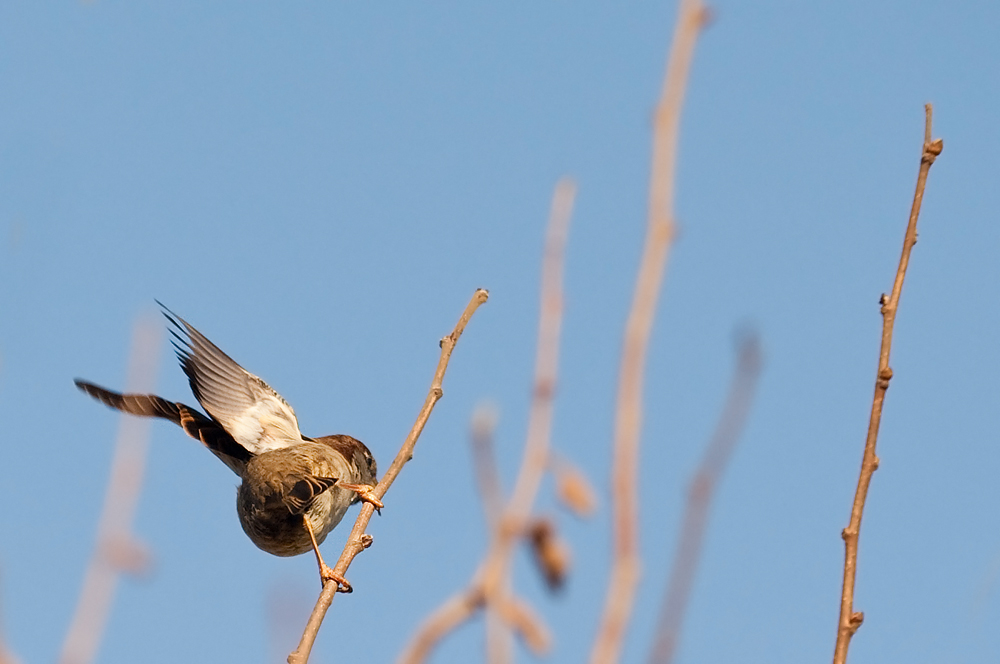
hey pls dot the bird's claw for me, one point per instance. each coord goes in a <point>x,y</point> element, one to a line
<point>326,573</point>
<point>365,492</point>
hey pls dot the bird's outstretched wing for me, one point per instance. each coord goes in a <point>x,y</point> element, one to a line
<point>196,425</point>
<point>254,414</point>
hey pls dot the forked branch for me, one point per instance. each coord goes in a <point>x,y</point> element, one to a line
<point>850,620</point>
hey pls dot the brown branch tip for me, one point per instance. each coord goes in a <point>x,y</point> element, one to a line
<point>850,620</point>
<point>489,589</point>
<point>359,540</point>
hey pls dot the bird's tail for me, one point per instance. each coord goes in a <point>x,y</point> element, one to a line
<point>196,425</point>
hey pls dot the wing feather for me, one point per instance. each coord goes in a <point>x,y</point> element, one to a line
<point>256,416</point>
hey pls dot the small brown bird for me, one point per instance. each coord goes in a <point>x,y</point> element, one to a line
<point>295,489</point>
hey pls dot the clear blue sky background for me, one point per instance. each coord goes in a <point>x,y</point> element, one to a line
<point>319,187</point>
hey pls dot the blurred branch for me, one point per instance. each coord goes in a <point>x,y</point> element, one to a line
<point>286,606</point>
<point>536,447</point>
<point>499,638</point>
<point>713,464</point>
<point>500,628</point>
<point>525,622</point>
<point>850,620</point>
<point>459,608</point>
<point>489,587</point>
<point>359,540</point>
<point>116,549</point>
<point>692,16</point>
<point>445,619</point>
<point>484,424</point>
<point>6,656</point>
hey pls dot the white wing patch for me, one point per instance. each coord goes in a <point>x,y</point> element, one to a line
<point>254,414</point>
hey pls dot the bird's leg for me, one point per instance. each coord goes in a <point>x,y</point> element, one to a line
<point>326,573</point>
<point>365,492</point>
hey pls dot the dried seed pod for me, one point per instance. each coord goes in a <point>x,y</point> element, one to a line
<point>552,555</point>
<point>573,489</point>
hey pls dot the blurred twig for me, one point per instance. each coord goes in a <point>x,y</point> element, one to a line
<point>692,16</point>
<point>850,620</point>
<point>484,423</point>
<point>536,447</point>
<point>286,606</point>
<point>445,619</point>
<point>514,522</point>
<point>717,454</point>
<point>6,656</point>
<point>116,549</point>
<point>499,638</point>
<point>489,587</point>
<point>359,540</point>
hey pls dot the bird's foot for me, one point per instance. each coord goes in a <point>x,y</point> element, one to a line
<point>326,573</point>
<point>365,492</point>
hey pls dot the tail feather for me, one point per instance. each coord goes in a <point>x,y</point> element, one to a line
<point>145,405</point>
<point>195,424</point>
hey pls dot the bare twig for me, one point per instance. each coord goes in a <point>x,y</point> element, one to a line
<point>525,622</point>
<point>116,549</point>
<point>457,609</point>
<point>499,636</point>
<point>359,540</point>
<point>850,620</point>
<point>286,607</point>
<point>536,447</point>
<point>482,429</point>
<point>717,454</point>
<point>448,617</point>
<point>692,16</point>
<point>500,628</point>
<point>489,587</point>
<point>514,522</point>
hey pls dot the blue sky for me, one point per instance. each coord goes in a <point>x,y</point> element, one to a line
<point>320,187</point>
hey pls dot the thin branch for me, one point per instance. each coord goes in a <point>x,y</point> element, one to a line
<point>700,493</point>
<point>499,636</point>
<point>447,618</point>
<point>285,605</point>
<point>850,620</point>
<point>492,580</point>
<point>457,610</point>
<point>692,16</point>
<point>536,447</point>
<point>359,540</point>
<point>482,429</point>
<point>116,549</point>
<point>500,628</point>
<point>514,522</point>
<point>525,622</point>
